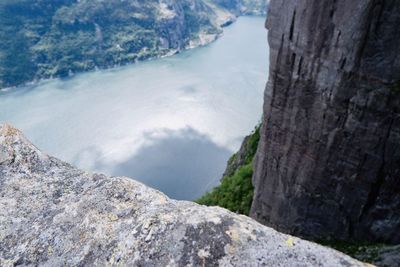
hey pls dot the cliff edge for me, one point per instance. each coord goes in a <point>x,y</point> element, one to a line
<point>52,214</point>
<point>328,162</point>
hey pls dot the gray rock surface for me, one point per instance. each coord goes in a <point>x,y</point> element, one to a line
<point>52,214</point>
<point>328,163</point>
<point>388,257</point>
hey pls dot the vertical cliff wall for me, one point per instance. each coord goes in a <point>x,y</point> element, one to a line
<point>328,163</point>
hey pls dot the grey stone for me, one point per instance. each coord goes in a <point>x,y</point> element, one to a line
<point>388,256</point>
<point>328,162</point>
<point>52,214</point>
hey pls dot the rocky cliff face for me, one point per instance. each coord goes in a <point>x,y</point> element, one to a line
<point>52,214</point>
<point>328,163</point>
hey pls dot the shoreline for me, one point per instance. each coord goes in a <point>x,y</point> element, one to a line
<point>111,67</point>
<point>201,41</point>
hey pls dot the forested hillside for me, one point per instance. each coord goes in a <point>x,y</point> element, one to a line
<point>46,38</point>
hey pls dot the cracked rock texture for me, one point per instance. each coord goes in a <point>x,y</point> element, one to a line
<point>328,162</point>
<point>52,214</point>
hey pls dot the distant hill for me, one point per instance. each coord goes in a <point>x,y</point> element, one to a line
<point>47,38</point>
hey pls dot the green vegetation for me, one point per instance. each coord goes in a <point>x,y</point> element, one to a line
<point>47,38</point>
<point>395,89</point>
<point>235,192</point>
<point>255,7</point>
<point>246,153</point>
<point>366,252</point>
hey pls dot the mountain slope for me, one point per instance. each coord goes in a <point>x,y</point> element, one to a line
<point>55,38</point>
<point>46,38</point>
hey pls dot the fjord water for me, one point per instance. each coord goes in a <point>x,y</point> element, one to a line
<point>171,123</point>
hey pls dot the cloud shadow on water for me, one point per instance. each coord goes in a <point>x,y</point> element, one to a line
<point>183,164</point>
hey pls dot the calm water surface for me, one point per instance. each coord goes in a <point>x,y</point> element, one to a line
<point>171,123</point>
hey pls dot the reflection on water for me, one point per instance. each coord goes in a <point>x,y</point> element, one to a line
<point>180,159</point>
<point>171,123</point>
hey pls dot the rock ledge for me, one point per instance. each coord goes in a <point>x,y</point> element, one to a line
<point>52,214</point>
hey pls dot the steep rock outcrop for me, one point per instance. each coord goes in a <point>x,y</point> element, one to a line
<point>55,215</point>
<point>245,154</point>
<point>328,162</point>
